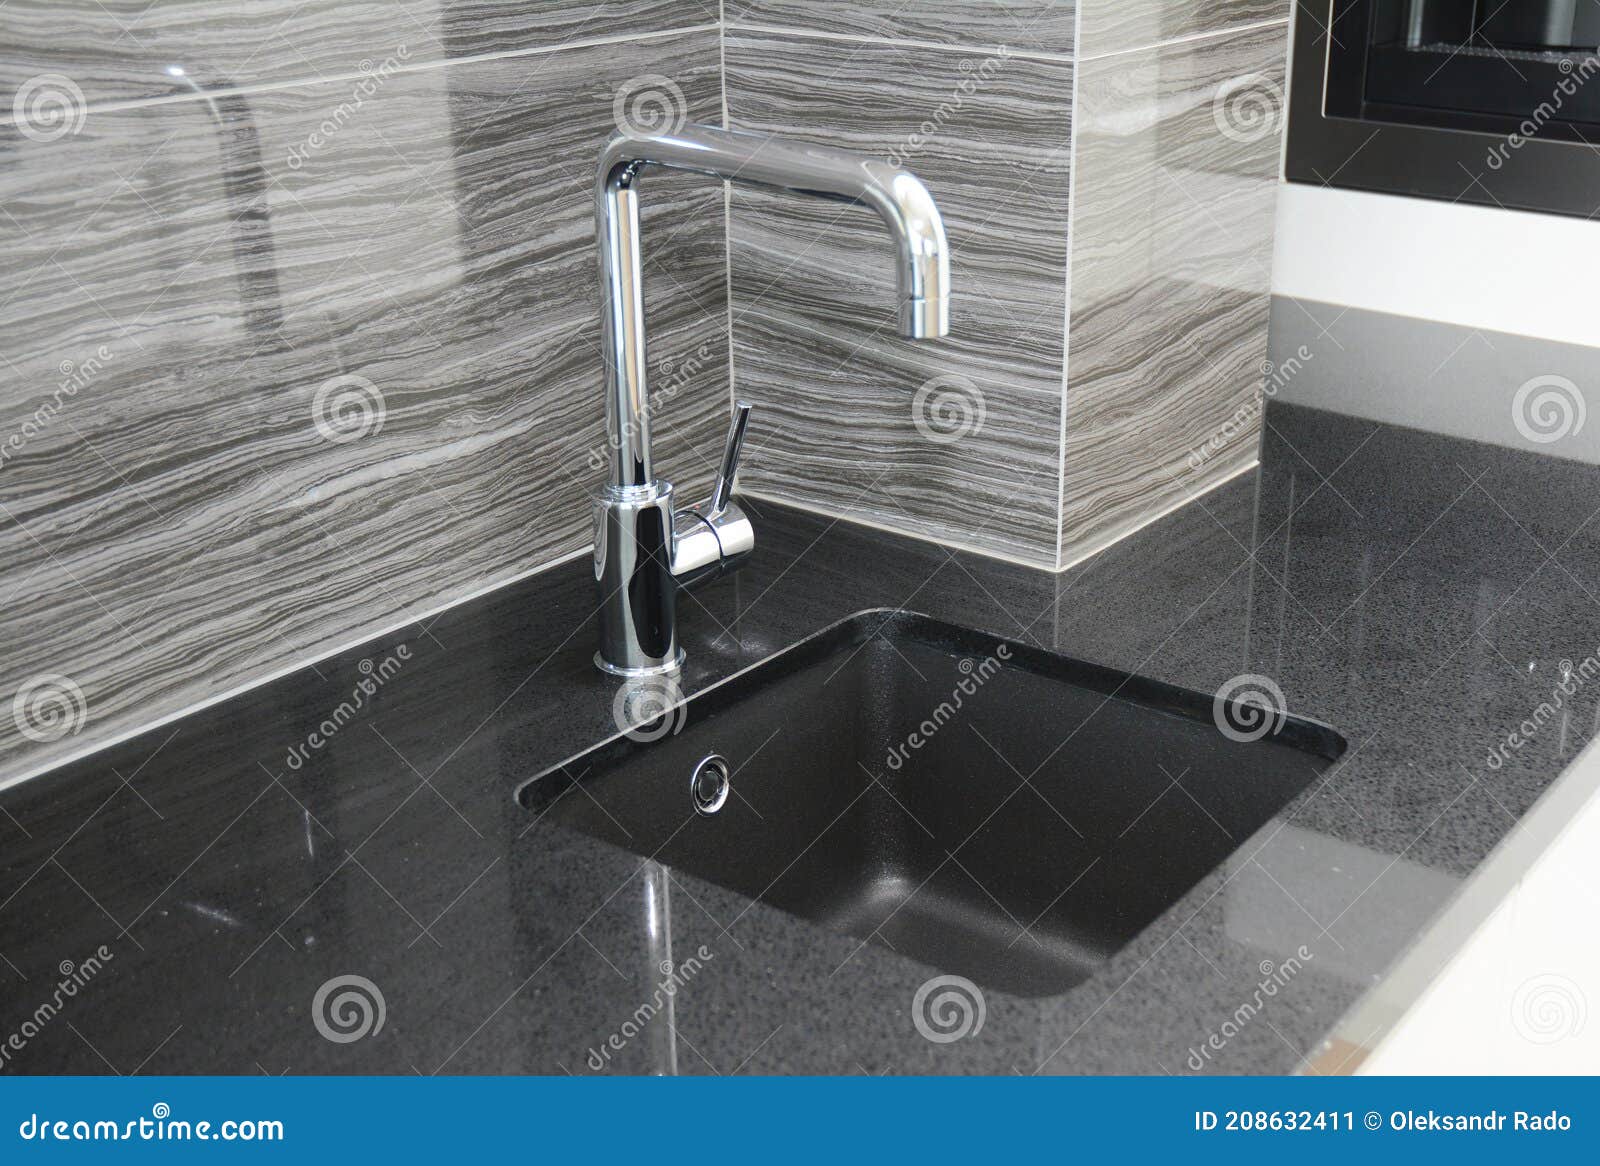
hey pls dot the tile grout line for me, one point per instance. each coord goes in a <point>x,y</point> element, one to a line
<point>895,42</point>
<point>8,117</point>
<point>1071,58</point>
<point>884,528</point>
<point>497,585</point>
<point>1001,556</point>
<point>296,665</point>
<point>727,201</point>
<point>1096,548</point>
<point>1066,324</point>
<point>1192,38</point>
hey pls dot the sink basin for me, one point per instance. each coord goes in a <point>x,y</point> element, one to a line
<point>984,807</point>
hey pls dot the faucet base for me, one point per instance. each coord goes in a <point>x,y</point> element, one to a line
<point>633,546</point>
<point>605,665</point>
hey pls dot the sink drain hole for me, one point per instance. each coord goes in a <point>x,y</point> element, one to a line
<point>708,785</point>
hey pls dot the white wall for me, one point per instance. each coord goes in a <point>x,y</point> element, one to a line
<point>1482,267</point>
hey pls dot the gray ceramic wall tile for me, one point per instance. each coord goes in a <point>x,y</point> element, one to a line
<point>173,520</point>
<point>1517,391</point>
<point>814,297</point>
<point>1113,26</point>
<point>1177,156</point>
<point>1021,25</point>
<point>121,49</point>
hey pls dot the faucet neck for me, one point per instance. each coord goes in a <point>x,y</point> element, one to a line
<point>897,196</point>
<point>622,289</point>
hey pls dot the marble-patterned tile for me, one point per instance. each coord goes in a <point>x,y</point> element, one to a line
<point>108,50</point>
<point>1021,25</point>
<point>957,439</point>
<point>1115,26</point>
<point>1176,180</point>
<point>269,386</point>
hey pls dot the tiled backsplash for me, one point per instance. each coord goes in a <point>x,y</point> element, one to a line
<point>213,502</point>
<point>814,297</point>
<point>1136,179</point>
<point>301,332</point>
<point>1177,174</point>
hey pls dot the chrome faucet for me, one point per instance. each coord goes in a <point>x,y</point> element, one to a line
<point>644,550</point>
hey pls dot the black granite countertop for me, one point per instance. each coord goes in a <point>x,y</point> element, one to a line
<point>206,880</point>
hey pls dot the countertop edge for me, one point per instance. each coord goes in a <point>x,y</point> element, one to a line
<point>1367,1022</point>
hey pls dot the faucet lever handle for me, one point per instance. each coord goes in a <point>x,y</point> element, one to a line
<point>722,491</point>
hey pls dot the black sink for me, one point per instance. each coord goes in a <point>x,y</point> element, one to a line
<point>986,808</point>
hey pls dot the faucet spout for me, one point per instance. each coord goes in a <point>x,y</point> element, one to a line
<point>898,196</point>
<point>646,550</point>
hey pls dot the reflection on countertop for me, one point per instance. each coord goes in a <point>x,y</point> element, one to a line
<point>330,874</point>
